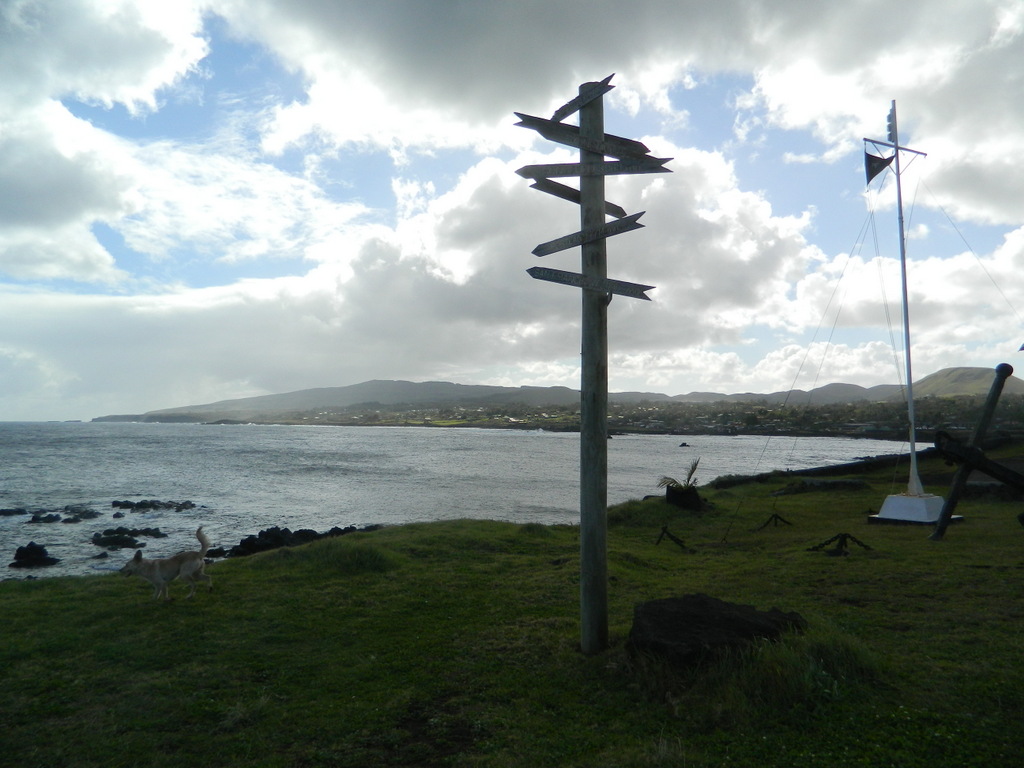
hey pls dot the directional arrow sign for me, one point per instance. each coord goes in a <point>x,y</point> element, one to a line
<point>621,287</point>
<point>615,146</point>
<point>627,224</point>
<point>573,196</point>
<point>614,168</point>
<point>588,93</point>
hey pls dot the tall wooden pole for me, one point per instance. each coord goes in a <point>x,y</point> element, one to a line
<point>597,290</point>
<point>594,401</point>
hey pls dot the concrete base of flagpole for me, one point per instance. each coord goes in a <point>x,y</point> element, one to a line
<point>904,508</point>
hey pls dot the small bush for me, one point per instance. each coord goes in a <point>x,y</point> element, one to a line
<point>798,676</point>
<point>535,529</point>
<point>649,513</point>
<point>331,556</point>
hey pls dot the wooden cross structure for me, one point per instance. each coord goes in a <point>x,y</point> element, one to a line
<point>629,157</point>
<point>970,456</point>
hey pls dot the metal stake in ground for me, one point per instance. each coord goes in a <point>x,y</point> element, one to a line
<point>841,540</point>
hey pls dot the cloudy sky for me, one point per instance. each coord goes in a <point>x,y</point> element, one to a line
<point>203,200</point>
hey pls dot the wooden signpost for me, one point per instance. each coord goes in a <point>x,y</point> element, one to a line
<point>625,224</point>
<point>597,290</point>
<point>605,286</point>
<point>573,196</point>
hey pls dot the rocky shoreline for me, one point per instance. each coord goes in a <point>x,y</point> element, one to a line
<point>35,556</point>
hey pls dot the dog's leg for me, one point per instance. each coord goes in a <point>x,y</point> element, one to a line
<point>198,576</point>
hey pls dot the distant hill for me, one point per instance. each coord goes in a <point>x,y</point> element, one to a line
<point>825,395</point>
<point>949,382</point>
<point>952,382</point>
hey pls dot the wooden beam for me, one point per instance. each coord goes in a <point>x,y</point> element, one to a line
<point>587,93</point>
<point>601,285</point>
<point>608,144</point>
<point>566,192</point>
<point>627,224</point>
<point>597,167</point>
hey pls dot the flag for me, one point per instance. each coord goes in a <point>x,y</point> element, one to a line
<point>874,165</point>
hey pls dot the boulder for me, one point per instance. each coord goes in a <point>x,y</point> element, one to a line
<point>33,555</point>
<point>275,538</point>
<point>80,512</point>
<point>148,505</point>
<point>684,497</point>
<point>45,517</point>
<point>686,629</point>
<point>122,538</point>
<point>114,541</point>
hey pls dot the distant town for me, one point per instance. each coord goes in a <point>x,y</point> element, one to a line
<point>956,415</point>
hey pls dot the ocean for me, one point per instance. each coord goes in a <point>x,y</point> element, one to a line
<point>245,478</point>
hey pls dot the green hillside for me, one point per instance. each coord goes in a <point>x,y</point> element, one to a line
<point>953,382</point>
<point>455,644</point>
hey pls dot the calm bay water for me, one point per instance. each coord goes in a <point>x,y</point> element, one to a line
<point>247,478</point>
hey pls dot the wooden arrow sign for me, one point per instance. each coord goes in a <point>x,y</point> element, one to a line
<point>601,285</point>
<point>614,146</point>
<point>627,224</point>
<point>573,196</point>
<point>614,168</point>
<point>588,93</point>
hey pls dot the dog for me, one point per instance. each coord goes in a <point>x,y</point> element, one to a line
<point>160,572</point>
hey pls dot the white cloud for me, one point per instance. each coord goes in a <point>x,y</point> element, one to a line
<point>410,262</point>
<point>114,51</point>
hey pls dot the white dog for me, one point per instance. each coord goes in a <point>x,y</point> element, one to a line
<point>160,572</point>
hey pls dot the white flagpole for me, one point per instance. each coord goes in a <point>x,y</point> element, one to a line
<point>914,487</point>
<point>915,505</point>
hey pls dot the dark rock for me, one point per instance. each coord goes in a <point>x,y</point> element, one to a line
<point>149,505</point>
<point>684,497</point>
<point>686,629</point>
<point>13,511</point>
<point>81,511</point>
<point>275,538</point>
<point>43,517</point>
<point>114,541</point>
<point>121,537</point>
<point>32,555</point>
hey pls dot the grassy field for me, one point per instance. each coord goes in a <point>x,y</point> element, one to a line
<point>455,643</point>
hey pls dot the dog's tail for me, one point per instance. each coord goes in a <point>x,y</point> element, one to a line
<point>203,540</point>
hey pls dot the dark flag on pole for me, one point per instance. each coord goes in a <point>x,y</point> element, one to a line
<point>874,165</point>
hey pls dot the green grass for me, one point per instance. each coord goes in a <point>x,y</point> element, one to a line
<point>456,643</point>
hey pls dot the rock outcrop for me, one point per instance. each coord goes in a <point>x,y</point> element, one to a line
<point>274,538</point>
<point>33,555</point>
<point>686,629</point>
